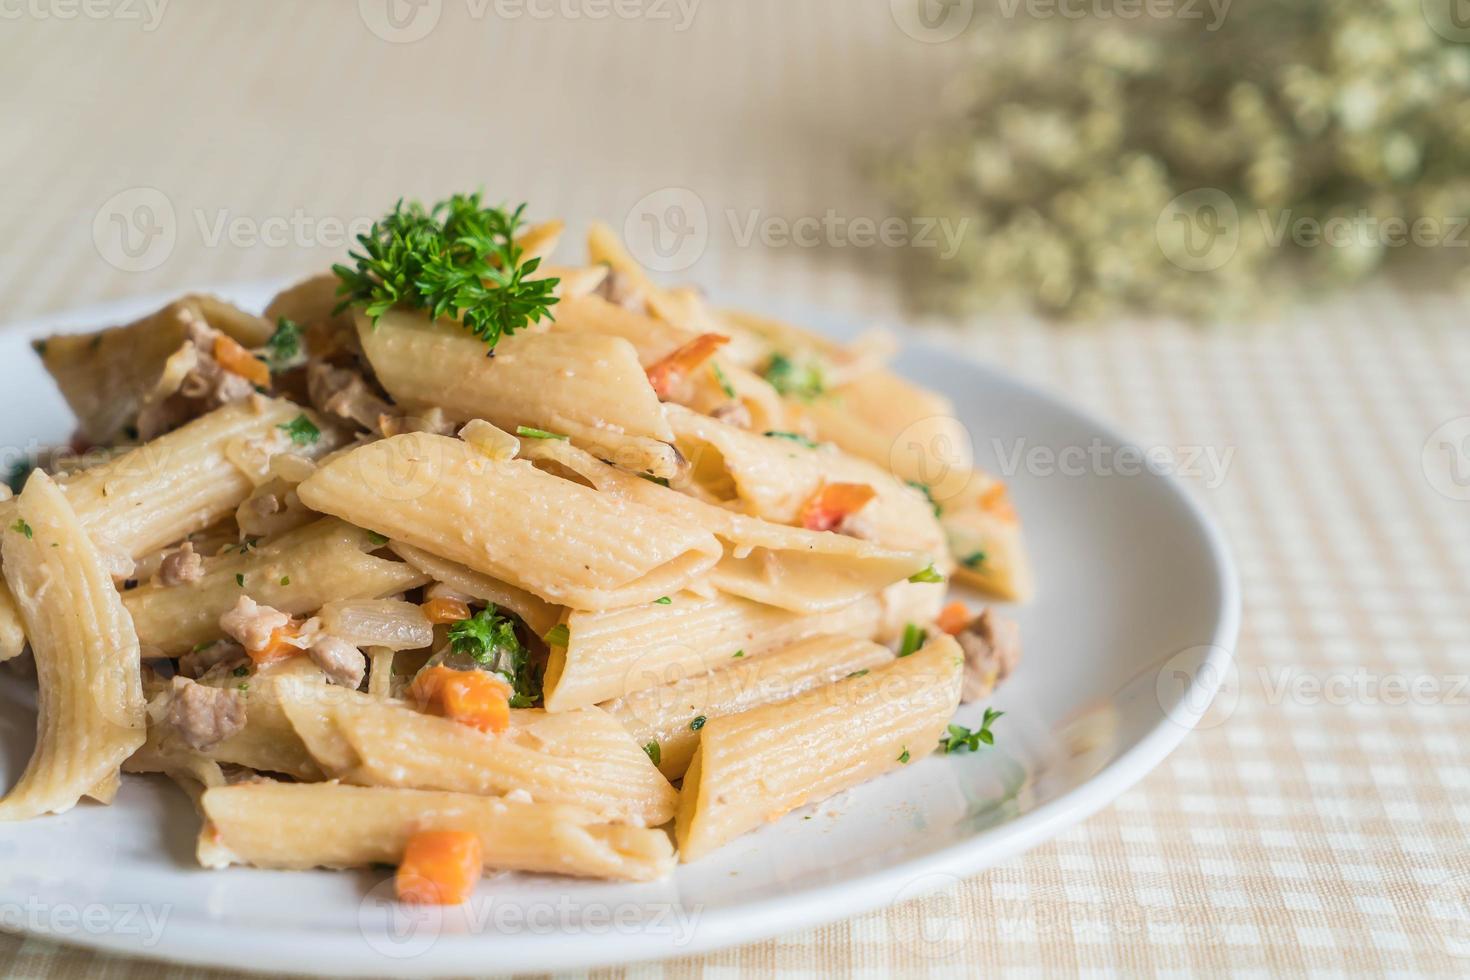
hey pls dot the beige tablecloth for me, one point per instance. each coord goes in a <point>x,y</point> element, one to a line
<point>1321,822</point>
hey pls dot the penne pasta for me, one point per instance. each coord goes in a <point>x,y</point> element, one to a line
<point>666,716</point>
<point>12,630</point>
<point>536,612</point>
<point>616,653</point>
<point>499,518</point>
<point>582,758</point>
<point>327,825</point>
<point>86,653</point>
<point>296,573</point>
<point>796,569</point>
<point>588,387</point>
<point>750,767</point>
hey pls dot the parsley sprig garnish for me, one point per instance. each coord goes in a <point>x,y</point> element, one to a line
<point>458,259</point>
<point>21,527</point>
<point>961,739</point>
<point>490,640</point>
<point>302,430</point>
<point>283,349</point>
<point>803,381</point>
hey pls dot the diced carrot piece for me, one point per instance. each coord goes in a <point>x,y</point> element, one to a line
<point>277,648</point>
<point>829,505</point>
<point>996,500</point>
<point>439,867</point>
<point>668,370</point>
<point>953,617</point>
<point>445,610</point>
<point>470,697</point>
<point>237,360</point>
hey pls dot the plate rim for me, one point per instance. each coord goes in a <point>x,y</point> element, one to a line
<point>207,942</point>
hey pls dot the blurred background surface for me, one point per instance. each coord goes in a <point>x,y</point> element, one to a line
<point>829,152</point>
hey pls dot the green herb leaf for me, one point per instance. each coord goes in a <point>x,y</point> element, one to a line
<point>662,481</point>
<point>913,638</point>
<point>793,436</point>
<point>283,349</point>
<point>973,560</point>
<point>239,579</point>
<point>21,527</point>
<point>490,639</point>
<point>525,431</point>
<point>857,673</point>
<point>961,739</point>
<point>558,635</point>
<point>928,494</point>
<point>724,382</point>
<point>697,723</point>
<point>904,758</point>
<point>737,654</point>
<point>655,754</point>
<point>241,671</point>
<point>285,580</point>
<point>457,259</point>
<point>930,574</point>
<point>301,430</point>
<point>662,600</point>
<point>796,380</point>
<point>377,539</point>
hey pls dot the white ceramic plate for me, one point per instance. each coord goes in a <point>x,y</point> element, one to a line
<point>1132,629</point>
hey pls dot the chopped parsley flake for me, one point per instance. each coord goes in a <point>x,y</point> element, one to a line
<point>913,638</point>
<point>377,539</point>
<point>905,756</point>
<point>240,579</point>
<point>662,600</point>
<point>490,639</point>
<point>961,739</point>
<point>796,380</point>
<point>662,481</point>
<point>725,385</point>
<point>285,580</point>
<point>928,494</point>
<point>301,430</point>
<point>973,560</point>
<point>21,527</point>
<point>655,754</point>
<point>858,673</point>
<point>558,635</point>
<point>795,437</point>
<point>526,432</point>
<point>241,671</point>
<point>697,723</point>
<point>737,654</point>
<point>930,574</point>
<point>283,350</point>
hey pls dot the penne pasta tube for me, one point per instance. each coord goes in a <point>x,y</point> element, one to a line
<point>555,538</point>
<point>985,538</point>
<point>778,479</point>
<point>666,716</point>
<point>588,387</point>
<point>763,763</point>
<point>91,693</point>
<point>182,482</point>
<point>12,630</point>
<point>105,376</point>
<point>619,652</point>
<point>791,567</point>
<point>328,825</point>
<point>537,613</point>
<point>583,758</point>
<point>296,573</point>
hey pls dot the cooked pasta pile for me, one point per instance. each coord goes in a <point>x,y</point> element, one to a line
<point>457,559</point>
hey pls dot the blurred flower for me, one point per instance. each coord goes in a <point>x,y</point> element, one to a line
<point>1163,166</point>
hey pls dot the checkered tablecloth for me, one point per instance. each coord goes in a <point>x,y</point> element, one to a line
<point>1320,823</point>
